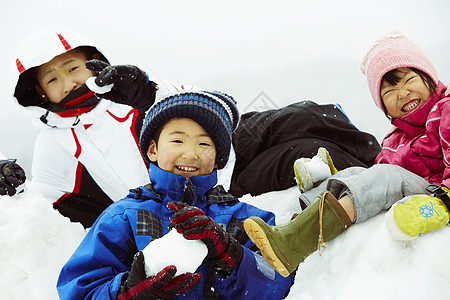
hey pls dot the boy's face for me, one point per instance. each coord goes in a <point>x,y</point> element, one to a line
<point>63,74</point>
<point>184,148</point>
<point>406,96</point>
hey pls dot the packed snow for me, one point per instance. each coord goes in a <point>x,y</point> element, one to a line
<point>166,250</point>
<point>265,54</point>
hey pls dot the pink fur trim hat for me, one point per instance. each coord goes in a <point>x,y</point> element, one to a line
<point>391,52</point>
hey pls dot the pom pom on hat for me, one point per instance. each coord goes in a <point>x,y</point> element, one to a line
<point>216,112</point>
<point>391,52</point>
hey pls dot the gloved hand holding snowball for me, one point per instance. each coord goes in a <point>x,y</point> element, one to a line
<point>224,252</point>
<point>125,84</point>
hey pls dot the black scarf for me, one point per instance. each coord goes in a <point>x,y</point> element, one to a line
<point>75,103</point>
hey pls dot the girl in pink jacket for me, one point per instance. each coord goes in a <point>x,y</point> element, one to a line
<point>413,163</point>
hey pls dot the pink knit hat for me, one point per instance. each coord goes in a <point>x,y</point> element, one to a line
<point>391,52</point>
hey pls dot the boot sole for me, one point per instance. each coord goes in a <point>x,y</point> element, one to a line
<point>259,238</point>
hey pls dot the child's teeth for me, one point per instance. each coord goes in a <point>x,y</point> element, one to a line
<point>189,169</point>
<point>411,105</point>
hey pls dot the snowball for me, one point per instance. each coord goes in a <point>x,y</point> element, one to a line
<point>174,249</point>
<point>90,83</point>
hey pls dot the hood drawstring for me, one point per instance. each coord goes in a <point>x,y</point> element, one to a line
<point>44,120</point>
<point>188,190</point>
<point>138,194</point>
<point>77,120</point>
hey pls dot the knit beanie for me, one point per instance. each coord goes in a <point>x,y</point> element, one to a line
<point>391,52</point>
<point>216,112</point>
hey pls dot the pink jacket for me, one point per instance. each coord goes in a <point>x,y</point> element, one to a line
<point>420,141</point>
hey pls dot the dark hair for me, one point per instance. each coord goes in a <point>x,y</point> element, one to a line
<point>158,133</point>
<point>392,77</point>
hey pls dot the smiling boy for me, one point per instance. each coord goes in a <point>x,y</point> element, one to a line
<point>186,137</point>
<point>183,148</point>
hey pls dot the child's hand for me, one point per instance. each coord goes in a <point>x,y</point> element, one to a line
<point>224,252</point>
<point>164,285</point>
<point>419,214</point>
<point>11,176</point>
<point>131,85</point>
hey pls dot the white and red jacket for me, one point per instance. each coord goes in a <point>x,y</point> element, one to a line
<point>81,164</point>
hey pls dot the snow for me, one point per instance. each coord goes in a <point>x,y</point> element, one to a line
<point>365,262</point>
<point>166,250</point>
<point>35,242</point>
<point>266,55</point>
<point>90,83</point>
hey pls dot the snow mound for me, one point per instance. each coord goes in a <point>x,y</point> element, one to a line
<point>35,242</point>
<point>365,262</point>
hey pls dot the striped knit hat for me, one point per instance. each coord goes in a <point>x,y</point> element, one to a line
<point>216,112</point>
<point>391,52</point>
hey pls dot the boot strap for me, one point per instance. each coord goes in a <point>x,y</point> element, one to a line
<point>339,209</point>
<point>437,191</point>
<point>320,243</point>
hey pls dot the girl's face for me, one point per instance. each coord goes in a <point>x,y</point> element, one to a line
<point>406,96</point>
<point>63,74</point>
<point>184,148</point>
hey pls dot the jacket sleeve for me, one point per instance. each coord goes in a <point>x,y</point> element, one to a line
<point>52,167</point>
<point>254,277</point>
<point>96,268</point>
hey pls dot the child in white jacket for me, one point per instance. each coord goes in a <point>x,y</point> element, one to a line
<point>87,155</point>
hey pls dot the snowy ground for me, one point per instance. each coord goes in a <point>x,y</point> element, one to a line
<point>266,55</point>
<point>362,263</point>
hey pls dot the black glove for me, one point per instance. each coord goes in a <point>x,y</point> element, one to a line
<point>131,85</point>
<point>224,252</point>
<point>161,286</point>
<point>11,176</point>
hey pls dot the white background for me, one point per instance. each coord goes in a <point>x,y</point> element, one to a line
<point>290,50</point>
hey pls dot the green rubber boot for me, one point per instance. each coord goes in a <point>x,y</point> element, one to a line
<point>286,246</point>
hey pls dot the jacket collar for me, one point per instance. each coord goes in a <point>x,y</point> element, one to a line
<point>172,187</point>
<point>414,123</point>
<point>43,118</point>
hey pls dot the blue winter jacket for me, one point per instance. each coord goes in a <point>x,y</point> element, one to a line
<point>101,263</point>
